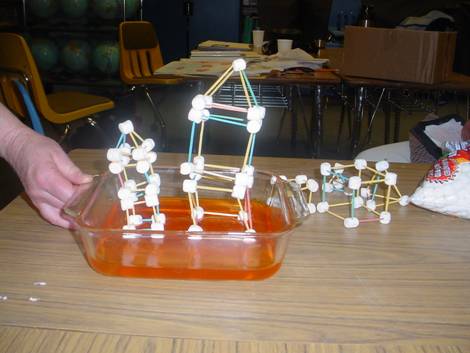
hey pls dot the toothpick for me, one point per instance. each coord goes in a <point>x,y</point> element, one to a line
<point>387,199</point>
<point>247,149</point>
<point>217,166</point>
<point>397,191</point>
<point>213,88</point>
<point>219,175</point>
<point>213,188</point>
<point>229,107</point>
<point>335,215</point>
<point>137,135</point>
<point>201,133</point>
<point>248,100</point>
<point>340,204</point>
<point>220,214</point>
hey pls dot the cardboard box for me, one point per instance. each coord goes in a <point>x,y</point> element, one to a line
<point>399,54</point>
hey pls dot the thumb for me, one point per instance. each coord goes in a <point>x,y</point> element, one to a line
<point>70,171</point>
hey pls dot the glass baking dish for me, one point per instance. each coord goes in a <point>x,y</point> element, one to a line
<point>222,251</point>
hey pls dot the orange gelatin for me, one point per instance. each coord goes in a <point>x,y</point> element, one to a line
<point>213,255</point>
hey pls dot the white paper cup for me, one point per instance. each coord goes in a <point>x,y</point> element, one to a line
<point>284,45</point>
<point>258,38</point>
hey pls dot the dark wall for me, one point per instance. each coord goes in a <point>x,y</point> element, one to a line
<point>216,20</point>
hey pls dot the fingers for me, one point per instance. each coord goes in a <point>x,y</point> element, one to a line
<point>52,215</point>
<point>69,170</point>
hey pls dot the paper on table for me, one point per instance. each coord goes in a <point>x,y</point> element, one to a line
<point>449,131</point>
<point>219,45</point>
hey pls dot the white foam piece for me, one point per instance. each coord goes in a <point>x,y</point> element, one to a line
<point>127,204</point>
<point>135,219</point>
<point>364,192</point>
<point>205,115</point>
<point>385,217</point>
<point>195,176</point>
<point>125,160</point>
<point>242,216</point>
<point>312,185</point>
<point>186,168</point>
<point>198,162</point>
<point>113,155</point>
<point>242,179</point>
<point>328,188</point>
<point>371,205</point>
<point>195,115</point>
<point>311,208</point>
<point>125,149</point>
<point>358,202</point>
<point>126,127</point>
<point>151,157</point>
<point>142,167</point>
<point>159,218</point>
<point>301,179</point>
<point>256,113</point>
<point>124,193</point>
<point>189,186</point>
<point>354,183</point>
<point>148,144</point>
<point>404,200</point>
<point>157,226</point>
<point>239,65</point>
<point>128,227</point>
<point>325,169</point>
<point>238,192</point>
<point>154,179</point>
<point>139,154</point>
<point>339,168</point>
<point>151,200</point>
<point>152,189</point>
<point>194,228</point>
<point>360,164</point>
<point>254,126</point>
<point>323,207</point>
<point>391,179</point>
<point>249,169</point>
<point>198,102</point>
<point>273,180</point>
<point>250,240</point>
<point>115,167</point>
<point>198,213</point>
<point>382,166</point>
<point>351,222</point>
<point>208,100</point>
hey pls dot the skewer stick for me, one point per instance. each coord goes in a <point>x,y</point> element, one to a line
<point>391,198</point>
<point>229,108</point>
<point>373,211</point>
<point>310,196</point>
<point>248,207</point>
<point>155,211</point>
<point>133,139</point>
<point>209,178</point>
<point>335,215</point>
<point>240,204</point>
<point>220,214</point>
<point>397,191</point>
<point>197,198</point>
<point>120,179</point>
<point>248,100</point>
<point>369,220</point>
<point>375,171</point>
<point>219,175</point>
<point>249,86</point>
<point>387,199</point>
<point>376,181</point>
<point>137,135</point>
<point>213,188</point>
<point>340,204</point>
<point>343,166</point>
<point>214,87</point>
<point>248,149</point>
<point>125,174</point>
<point>217,166</point>
<point>192,208</point>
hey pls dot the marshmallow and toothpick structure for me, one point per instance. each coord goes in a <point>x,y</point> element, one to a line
<point>238,179</point>
<point>132,151</point>
<point>364,188</point>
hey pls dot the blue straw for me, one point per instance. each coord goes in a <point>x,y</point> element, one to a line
<point>211,117</point>
<point>252,149</point>
<point>323,194</point>
<point>227,117</point>
<point>120,140</point>
<point>249,87</point>
<point>375,191</point>
<point>352,203</point>
<point>191,142</point>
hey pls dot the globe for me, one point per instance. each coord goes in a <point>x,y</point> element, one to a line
<point>76,55</point>
<point>106,57</point>
<point>111,9</point>
<point>74,8</point>
<point>43,8</point>
<point>45,53</point>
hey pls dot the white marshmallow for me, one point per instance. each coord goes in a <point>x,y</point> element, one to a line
<point>151,157</point>
<point>126,127</point>
<point>124,193</point>
<point>130,184</point>
<point>115,167</point>
<point>195,115</point>
<point>198,213</point>
<point>354,183</point>
<point>283,177</point>
<point>208,101</point>
<point>195,176</point>
<point>241,179</point>
<point>360,164</point>
<point>238,192</point>
<point>256,113</point>
<point>311,208</point>
<point>371,205</point>
<point>159,218</point>
<point>325,169</point>
<point>154,179</point>
<point>113,155</point>
<point>312,185</point>
<point>338,185</point>
<point>127,204</point>
<point>323,207</point>
<point>125,160</point>
<point>152,189</point>
<point>125,149</point>
<point>142,167</point>
<point>186,168</point>
<point>253,126</point>
<point>273,180</point>
<point>358,202</point>
<point>249,240</point>
<point>135,219</point>
<point>391,178</point>
<point>365,192</point>
<point>239,65</point>
<point>242,216</point>
<point>404,200</point>
<point>385,217</point>
<point>339,170</point>
<point>301,179</point>
<point>382,166</point>
<point>328,188</point>
<point>198,162</point>
<point>157,226</point>
<point>139,154</point>
<point>351,222</point>
<point>249,169</point>
<point>189,186</point>
<point>128,227</point>
<point>151,200</point>
<point>194,228</point>
<point>148,144</point>
<point>198,102</point>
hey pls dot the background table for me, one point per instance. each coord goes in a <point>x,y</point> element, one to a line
<point>402,287</point>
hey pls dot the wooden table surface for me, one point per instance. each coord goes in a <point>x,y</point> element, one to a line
<point>402,287</point>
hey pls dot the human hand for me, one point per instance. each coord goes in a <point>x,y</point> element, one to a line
<point>47,174</point>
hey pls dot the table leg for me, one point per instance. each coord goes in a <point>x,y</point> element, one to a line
<point>317,121</point>
<point>293,117</point>
<point>360,95</point>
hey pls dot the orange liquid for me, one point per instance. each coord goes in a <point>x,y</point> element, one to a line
<point>176,256</point>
